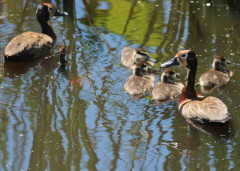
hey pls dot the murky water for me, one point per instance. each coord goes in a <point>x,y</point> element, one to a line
<point>80,118</point>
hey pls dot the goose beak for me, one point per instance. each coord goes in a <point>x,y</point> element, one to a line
<point>172,62</point>
<point>58,13</point>
<point>178,75</point>
<point>151,59</point>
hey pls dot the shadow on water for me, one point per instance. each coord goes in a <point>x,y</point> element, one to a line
<point>15,69</point>
<point>219,131</point>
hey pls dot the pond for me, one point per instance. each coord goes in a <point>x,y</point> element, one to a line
<point>80,118</point>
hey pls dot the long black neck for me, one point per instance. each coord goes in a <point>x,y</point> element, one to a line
<point>47,29</point>
<point>190,87</point>
<point>191,79</point>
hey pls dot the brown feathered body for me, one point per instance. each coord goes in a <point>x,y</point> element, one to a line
<point>136,85</point>
<point>166,91</point>
<point>203,109</point>
<point>214,78</point>
<point>168,88</point>
<point>141,82</point>
<point>28,46</point>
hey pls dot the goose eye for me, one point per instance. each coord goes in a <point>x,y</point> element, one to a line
<point>184,55</point>
<point>50,9</point>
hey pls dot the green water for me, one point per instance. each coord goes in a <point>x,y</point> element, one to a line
<point>80,118</point>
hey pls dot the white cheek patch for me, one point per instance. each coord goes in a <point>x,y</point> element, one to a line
<point>185,55</point>
<point>51,12</point>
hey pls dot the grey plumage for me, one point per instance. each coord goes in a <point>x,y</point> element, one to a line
<point>140,83</point>
<point>168,88</point>
<point>217,76</point>
<point>131,58</point>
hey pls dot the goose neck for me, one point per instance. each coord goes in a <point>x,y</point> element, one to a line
<point>47,29</point>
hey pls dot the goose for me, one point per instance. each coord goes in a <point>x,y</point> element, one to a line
<point>30,45</point>
<point>193,106</point>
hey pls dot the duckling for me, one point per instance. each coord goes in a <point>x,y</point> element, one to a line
<point>132,57</point>
<point>141,82</point>
<point>31,45</point>
<point>193,106</point>
<point>168,88</point>
<point>62,55</point>
<point>217,76</point>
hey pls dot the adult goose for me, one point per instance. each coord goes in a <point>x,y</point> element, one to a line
<point>192,105</point>
<point>31,45</point>
<point>131,57</point>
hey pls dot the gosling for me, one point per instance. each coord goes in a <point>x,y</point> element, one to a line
<point>131,57</point>
<point>217,76</point>
<point>168,88</point>
<point>140,83</point>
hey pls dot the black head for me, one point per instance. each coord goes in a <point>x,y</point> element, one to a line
<point>46,11</point>
<point>220,63</point>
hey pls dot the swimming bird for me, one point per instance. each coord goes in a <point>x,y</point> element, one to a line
<point>217,76</point>
<point>168,88</point>
<point>141,82</point>
<point>31,45</point>
<point>131,57</point>
<point>192,105</point>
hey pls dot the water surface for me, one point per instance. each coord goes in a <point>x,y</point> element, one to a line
<point>80,118</point>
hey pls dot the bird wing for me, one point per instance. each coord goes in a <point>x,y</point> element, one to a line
<point>29,43</point>
<point>209,108</point>
<point>213,78</point>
